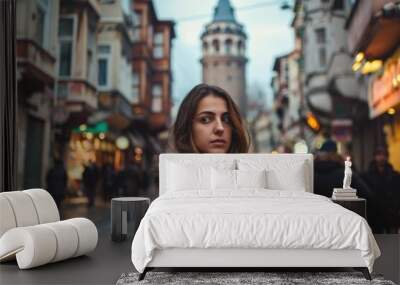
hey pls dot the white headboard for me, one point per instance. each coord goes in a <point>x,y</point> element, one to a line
<point>210,158</point>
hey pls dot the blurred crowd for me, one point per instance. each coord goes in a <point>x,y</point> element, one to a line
<point>379,185</point>
<point>105,181</point>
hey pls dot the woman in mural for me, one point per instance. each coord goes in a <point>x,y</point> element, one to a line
<point>209,121</point>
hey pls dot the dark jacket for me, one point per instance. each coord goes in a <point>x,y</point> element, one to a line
<point>57,181</point>
<point>329,174</point>
<point>90,176</point>
<point>386,187</point>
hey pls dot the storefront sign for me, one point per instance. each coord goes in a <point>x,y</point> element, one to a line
<point>342,130</point>
<point>384,91</point>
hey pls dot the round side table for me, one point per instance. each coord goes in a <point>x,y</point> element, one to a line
<point>126,211</point>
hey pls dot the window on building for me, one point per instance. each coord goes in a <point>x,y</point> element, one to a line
<point>104,63</point>
<point>137,26</point>
<point>62,90</point>
<point>156,103</point>
<point>103,72</point>
<point>301,62</point>
<point>338,5</point>
<point>104,49</point>
<point>228,46</point>
<point>240,47</point>
<point>217,30</point>
<point>322,56</point>
<point>285,72</point>
<point>135,87</point>
<point>159,38</point>
<point>158,49</point>
<point>150,34</point>
<point>43,23</point>
<point>205,47</point>
<point>66,40</point>
<point>215,44</point>
<point>320,35</point>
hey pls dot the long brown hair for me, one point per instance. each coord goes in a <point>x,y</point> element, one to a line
<point>182,129</point>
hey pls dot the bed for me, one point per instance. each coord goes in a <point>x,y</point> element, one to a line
<point>247,210</point>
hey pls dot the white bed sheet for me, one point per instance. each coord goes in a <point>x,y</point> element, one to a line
<point>251,218</point>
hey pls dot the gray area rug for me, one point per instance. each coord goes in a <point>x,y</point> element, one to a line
<point>226,278</point>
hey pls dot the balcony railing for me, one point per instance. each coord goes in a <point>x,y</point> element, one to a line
<point>80,92</point>
<point>36,59</point>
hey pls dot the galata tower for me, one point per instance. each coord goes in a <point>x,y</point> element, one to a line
<point>223,49</point>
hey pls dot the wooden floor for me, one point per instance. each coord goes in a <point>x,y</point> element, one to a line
<point>110,259</point>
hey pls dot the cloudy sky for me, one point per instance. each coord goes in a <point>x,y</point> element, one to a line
<point>267,26</point>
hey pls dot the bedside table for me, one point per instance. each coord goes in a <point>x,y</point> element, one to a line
<point>357,205</point>
<point>123,210</point>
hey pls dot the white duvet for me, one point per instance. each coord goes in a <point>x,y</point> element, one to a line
<point>250,218</point>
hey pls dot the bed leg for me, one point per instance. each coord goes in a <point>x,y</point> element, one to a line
<point>364,271</point>
<point>143,274</point>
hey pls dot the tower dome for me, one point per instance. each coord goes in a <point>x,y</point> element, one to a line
<point>224,12</point>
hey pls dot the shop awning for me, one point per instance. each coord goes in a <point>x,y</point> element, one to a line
<point>99,127</point>
<point>115,120</point>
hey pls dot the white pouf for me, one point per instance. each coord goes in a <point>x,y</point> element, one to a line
<point>87,233</point>
<point>7,220</point>
<point>33,246</point>
<point>66,237</point>
<point>31,232</point>
<point>23,209</point>
<point>46,208</point>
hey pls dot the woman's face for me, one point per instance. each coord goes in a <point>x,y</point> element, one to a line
<point>212,131</point>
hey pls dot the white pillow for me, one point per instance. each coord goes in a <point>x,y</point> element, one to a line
<point>181,177</point>
<point>282,174</point>
<point>227,179</point>
<point>251,178</point>
<point>296,182</point>
<point>223,179</point>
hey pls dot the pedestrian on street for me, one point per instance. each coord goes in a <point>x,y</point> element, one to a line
<point>385,183</point>
<point>90,176</point>
<point>329,172</point>
<point>108,181</point>
<point>132,180</point>
<point>122,182</point>
<point>57,181</point>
